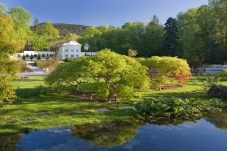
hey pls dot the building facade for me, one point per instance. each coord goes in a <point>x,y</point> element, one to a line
<point>70,49</point>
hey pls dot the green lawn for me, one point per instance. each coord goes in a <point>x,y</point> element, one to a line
<point>52,110</point>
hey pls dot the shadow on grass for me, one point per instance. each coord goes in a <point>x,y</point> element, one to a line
<point>183,95</point>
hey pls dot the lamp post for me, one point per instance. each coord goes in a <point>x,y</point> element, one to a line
<point>86,46</point>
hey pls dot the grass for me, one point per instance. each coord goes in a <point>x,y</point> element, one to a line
<point>51,110</point>
<point>28,82</point>
<point>56,110</point>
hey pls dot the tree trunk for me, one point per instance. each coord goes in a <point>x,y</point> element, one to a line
<point>78,89</point>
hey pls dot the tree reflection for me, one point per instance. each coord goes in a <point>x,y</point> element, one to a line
<point>219,119</point>
<point>107,134</point>
<point>9,142</point>
<point>167,121</point>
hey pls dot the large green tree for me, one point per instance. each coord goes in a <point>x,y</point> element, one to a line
<point>115,75</point>
<point>219,8</point>
<point>91,35</point>
<point>8,68</point>
<point>21,19</point>
<point>170,44</point>
<point>74,73</point>
<point>39,43</point>
<point>211,49</point>
<point>197,34</point>
<point>118,75</point>
<point>152,39</point>
<point>188,32</point>
<point>49,32</point>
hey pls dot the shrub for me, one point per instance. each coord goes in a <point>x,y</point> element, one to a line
<point>22,64</point>
<point>23,57</point>
<point>182,77</point>
<point>31,56</point>
<point>39,57</point>
<point>208,80</point>
<point>195,63</point>
<point>47,57</point>
<point>68,60</point>
<point>223,74</point>
<point>162,68</point>
<point>176,107</point>
<point>27,93</point>
<point>40,63</point>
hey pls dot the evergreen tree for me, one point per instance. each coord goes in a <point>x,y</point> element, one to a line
<point>47,57</point>
<point>23,57</point>
<point>31,56</point>
<point>39,57</point>
<point>36,24</point>
<point>170,45</point>
<point>155,19</point>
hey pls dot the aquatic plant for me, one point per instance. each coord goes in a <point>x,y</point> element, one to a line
<point>177,107</point>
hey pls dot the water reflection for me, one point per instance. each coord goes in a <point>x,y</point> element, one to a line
<point>205,134</point>
<point>219,119</point>
<point>9,143</point>
<point>108,135</point>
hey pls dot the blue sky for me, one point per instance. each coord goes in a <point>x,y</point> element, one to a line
<point>102,12</point>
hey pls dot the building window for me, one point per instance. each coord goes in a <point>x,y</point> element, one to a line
<point>72,56</point>
<point>72,50</point>
<point>76,50</point>
<point>77,56</point>
<point>66,56</point>
<point>66,50</point>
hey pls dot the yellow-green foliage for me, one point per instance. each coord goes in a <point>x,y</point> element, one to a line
<point>40,63</point>
<point>161,68</point>
<point>115,75</point>
<point>8,68</point>
<point>223,74</point>
<point>119,73</point>
<point>22,63</point>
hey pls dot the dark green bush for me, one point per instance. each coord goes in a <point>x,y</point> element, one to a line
<point>40,63</point>
<point>28,92</point>
<point>22,63</point>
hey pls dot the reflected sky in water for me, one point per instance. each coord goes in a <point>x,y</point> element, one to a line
<point>188,136</point>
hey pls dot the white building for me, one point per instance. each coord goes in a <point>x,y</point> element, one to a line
<point>27,54</point>
<point>70,49</point>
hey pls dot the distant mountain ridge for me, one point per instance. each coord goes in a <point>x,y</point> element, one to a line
<point>68,28</point>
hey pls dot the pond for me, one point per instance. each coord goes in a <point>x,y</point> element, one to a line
<point>208,134</point>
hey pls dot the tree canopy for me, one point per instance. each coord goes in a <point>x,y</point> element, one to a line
<point>115,75</point>
<point>163,68</point>
<point>8,68</point>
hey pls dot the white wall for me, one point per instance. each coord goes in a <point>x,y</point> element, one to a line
<point>15,56</point>
<point>71,49</point>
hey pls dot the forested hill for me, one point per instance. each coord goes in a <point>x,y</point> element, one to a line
<point>69,28</point>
